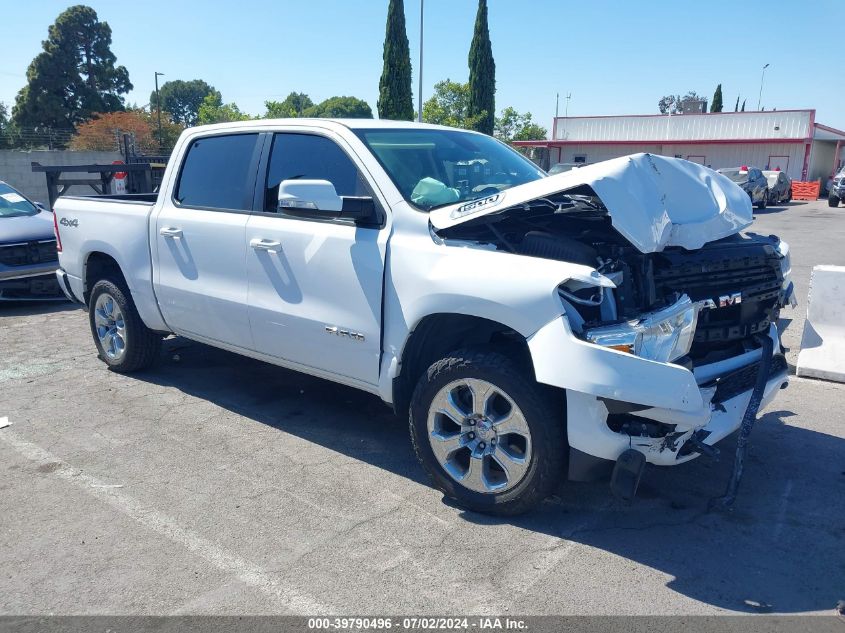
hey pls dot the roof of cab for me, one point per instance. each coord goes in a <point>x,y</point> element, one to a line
<point>352,124</point>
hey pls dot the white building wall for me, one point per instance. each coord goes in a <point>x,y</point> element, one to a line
<point>715,155</point>
<point>686,127</point>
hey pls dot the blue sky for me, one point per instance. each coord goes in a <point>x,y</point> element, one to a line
<point>613,57</point>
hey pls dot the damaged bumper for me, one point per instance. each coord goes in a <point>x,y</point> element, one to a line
<point>617,401</point>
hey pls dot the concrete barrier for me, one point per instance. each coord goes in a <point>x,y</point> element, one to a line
<point>823,341</point>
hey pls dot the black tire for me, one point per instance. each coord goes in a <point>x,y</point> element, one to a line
<point>833,201</point>
<point>142,345</point>
<point>543,412</point>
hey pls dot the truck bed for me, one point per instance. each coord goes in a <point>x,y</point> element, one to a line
<point>115,226</point>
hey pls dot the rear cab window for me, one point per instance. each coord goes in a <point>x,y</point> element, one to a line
<point>219,173</point>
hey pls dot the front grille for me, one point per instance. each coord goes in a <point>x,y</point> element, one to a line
<point>743,379</point>
<point>740,283</point>
<point>29,253</point>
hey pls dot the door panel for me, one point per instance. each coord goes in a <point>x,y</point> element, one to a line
<point>316,300</point>
<point>315,285</point>
<point>201,281</point>
<point>199,238</point>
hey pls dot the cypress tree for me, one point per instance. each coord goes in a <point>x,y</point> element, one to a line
<point>395,100</point>
<point>743,106</point>
<point>736,107</point>
<point>716,106</point>
<point>482,73</point>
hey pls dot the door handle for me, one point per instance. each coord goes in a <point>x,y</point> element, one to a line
<point>170,232</point>
<point>259,244</point>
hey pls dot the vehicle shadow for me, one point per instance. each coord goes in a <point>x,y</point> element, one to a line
<point>779,549</point>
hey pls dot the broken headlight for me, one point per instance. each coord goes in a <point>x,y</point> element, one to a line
<point>664,335</point>
<point>788,289</point>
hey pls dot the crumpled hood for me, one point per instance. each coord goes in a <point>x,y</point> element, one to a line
<point>654,201</point>
<point>26,228</point>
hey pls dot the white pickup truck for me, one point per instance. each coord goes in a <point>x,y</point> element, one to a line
<point>533,327</point>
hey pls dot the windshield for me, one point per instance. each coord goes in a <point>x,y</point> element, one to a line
<point>434,168</point>
<point>735,175</point>
<point>13,204</point>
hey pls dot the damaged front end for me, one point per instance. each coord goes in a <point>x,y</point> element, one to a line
<point>663,360</point>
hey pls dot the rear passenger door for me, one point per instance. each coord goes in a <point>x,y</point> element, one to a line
<point>315,284</point>
<point>199,233</point>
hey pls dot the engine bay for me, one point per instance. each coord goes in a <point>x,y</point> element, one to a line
<point>737,279</point>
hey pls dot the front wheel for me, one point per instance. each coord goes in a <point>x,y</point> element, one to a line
<point>833,201</point>
<point>124,343</point>
<point>488,437</point>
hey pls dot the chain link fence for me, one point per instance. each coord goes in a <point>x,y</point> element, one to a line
<point>34,138</point>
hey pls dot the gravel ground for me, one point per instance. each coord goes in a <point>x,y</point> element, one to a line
<point>217,484</point>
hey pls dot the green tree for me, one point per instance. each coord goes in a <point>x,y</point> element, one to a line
<point>213,110</point>
<point>482,74</point>
<point>449,105</point>
<point>182,99</point>
<point>736,107</point>
<point>513,126</point>
<point>74,76</point>
<point>341,108</point>
<point>293,106</point>
<point>716,105</point>
<point>395,100</point>
<point>743,106</point>
<point>4,126</point>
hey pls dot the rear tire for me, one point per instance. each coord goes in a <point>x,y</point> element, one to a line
<point>833,201</point>
<point>124,343</point>
<point>500,438</point>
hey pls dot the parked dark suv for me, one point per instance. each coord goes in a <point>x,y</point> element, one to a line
<point>752,181</point>
<point>837,189</point>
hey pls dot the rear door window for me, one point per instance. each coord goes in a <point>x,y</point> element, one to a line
<point>219,173</point>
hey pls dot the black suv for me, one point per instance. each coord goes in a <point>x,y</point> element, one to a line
<point>752,181</point>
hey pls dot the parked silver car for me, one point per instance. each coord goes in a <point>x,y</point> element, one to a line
<point>28,256</point>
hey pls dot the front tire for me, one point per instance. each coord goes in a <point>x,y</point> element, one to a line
<point>124,343</point>
<point>489,438</point>
<point>833,201</point>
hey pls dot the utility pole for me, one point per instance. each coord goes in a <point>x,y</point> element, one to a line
<point>557,104</point>
<point>760,97</point>
<point>419,89</point>
<point>158,107</point>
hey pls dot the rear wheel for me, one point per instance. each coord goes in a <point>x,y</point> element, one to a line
<point>833,201</point>
<point>125,344</point>
<point>489,438</point>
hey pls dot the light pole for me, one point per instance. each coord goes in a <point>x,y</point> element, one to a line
<point>760,97</point>
<point>158,108</point>
<point>419,89</point>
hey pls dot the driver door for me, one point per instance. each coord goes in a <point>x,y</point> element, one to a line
<point>315,285</point>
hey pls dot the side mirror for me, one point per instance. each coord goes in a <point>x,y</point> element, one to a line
<point>41,206</point>
<point>317,199</point>
<point>308,195</point>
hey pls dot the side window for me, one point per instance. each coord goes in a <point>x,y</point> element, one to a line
<point>308,156</point>
<point>216,173</point>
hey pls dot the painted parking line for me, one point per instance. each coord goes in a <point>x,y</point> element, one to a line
<point>282,595</point>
